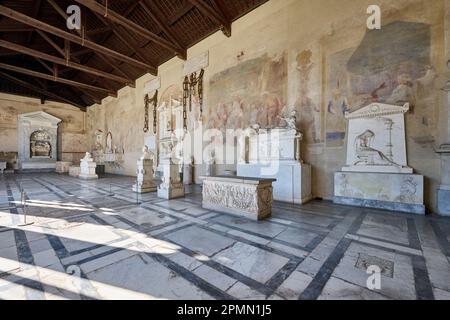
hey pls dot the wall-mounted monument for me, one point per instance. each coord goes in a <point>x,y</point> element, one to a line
<point>37,141</point>
<point>275,154</point>
<point>376,173</point>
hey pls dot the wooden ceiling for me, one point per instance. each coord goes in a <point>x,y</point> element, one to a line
<point>120,40</point>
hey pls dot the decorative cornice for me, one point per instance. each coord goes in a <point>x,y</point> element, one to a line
<point>375,110</point>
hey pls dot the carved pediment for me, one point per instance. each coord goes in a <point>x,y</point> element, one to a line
<point>377,110</point>
<point>39,116</point>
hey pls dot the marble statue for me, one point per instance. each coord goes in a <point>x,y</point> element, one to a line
<point>145,173</point>
<point>376,173</point>
<point>290,120</point>
<point>210,162</point>
<point>87,168</point>
<point>188,170</point>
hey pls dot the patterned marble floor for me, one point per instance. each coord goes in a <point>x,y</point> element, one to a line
<point>91,240</point>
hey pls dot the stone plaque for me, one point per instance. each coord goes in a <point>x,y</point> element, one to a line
<point>365,261</point>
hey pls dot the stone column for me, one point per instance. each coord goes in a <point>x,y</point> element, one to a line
<point>443,193</point>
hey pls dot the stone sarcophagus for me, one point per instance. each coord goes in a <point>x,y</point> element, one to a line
<point>376,173</point>
<point>246,197</point>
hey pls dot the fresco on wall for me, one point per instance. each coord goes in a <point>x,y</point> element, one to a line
<point>252,92</point>
<point>390,65</point>
<point>308,94</point>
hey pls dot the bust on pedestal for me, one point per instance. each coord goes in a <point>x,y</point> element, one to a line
<point>145,174</point>
<point>87,168</point>
<point>171,186</point>
<point>376,173</point>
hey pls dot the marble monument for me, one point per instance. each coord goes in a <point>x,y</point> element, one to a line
<point>145,174</point>
<point>248,197</point>
<point>276,154</point>
<point>37,141</point>
<point>63,166</point>
<point>171,186</point>
<point>87,168</point>
<point>376,173</point>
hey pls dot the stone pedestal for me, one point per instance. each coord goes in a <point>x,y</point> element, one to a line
<point>389,191</point>
<point>144,178</point>
<point>74,171</point>
<point>63,166</point>
<point>171,186</point>
<point>2,166</point>
<point>246,197</point>
<point>87,168</point>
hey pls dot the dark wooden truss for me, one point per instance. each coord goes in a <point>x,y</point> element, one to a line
<point>120,41</point>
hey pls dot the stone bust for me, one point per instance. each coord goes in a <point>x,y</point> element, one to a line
<point>146,155</point>
<point>87,157</point>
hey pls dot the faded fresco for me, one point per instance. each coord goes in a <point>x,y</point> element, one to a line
<point>392,66</point>
<point>307,88</point>
<point>253,92</point>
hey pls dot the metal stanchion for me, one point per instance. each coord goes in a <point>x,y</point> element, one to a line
<point>137,194</point>
<point>23,199</point>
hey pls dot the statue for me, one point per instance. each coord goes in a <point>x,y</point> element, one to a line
<point>365,153</point>
<point>291,120</point>
<point>146,154</point>
<point>87,157</point>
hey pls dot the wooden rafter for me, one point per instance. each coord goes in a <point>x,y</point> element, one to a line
<point>126,23</point>
<point>61,61</point>
<point>55,78</point>
<point>106,59</point>
<point>40,91</point>
<point>215,16</point>
<point>5,11</point>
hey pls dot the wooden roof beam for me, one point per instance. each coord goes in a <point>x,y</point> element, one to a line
<point>215,16</point>
<point>41,91</point>
<point>55,78</point>
<point>12,14</point>
<point>130,25</point>
<point>61,61</point>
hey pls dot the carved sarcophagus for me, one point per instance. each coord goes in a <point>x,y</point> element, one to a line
<point>248,197</point>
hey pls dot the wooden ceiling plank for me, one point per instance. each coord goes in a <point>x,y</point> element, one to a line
<point>117,18</point>
<point>187,6</point>
<point>155,14</point>
<point>41,91</point>
<point>61,61</point>
<point>7,12</point>
<point>216,17</point>
<point>50,41</point>
<point>129,42</point>
<point>105,59</point>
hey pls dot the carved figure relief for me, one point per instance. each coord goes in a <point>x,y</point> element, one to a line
<point>40,145</point>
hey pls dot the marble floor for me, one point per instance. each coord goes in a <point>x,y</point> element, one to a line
<point>96,240</point>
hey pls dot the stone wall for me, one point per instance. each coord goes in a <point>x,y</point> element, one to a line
<point>319,57</point>
<point>72,142</point>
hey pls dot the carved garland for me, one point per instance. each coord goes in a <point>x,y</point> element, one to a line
<point>192,86</point>
<point>147,102</point>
